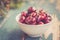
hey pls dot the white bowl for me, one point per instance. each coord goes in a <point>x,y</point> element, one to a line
<point>34,30</point>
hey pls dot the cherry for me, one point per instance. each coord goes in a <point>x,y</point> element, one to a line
<point>38,18</point>
<point>48,19</point>
<point>33,14</point>
<point>43,15</point>
<point>28,19</point>
<point>24,13</point>
<point>40,23</point>
<point>22,19</point>
<point>34,23</point>
<point>31,9</point>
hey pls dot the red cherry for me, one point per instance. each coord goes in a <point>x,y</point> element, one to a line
<point>43,15</point>
<point>34,23</point>
<point>24,13</point>
<point>33,19</point>
<point>33,14</point>
<point>39,18</point>
<point>22,19</point>
<point>48,19</point>
<point>31,9</point>
<point>28,19</point>
<point>40,23</point>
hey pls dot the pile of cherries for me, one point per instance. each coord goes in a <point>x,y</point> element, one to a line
<point>32,17</point>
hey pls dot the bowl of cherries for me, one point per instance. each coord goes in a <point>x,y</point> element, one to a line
<point>33,22</point>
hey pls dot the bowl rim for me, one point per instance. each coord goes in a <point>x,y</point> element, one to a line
<point>17,19</point>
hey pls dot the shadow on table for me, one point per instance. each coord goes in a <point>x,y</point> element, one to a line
<point>17,35</point>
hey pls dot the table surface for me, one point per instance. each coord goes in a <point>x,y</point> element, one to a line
<point>10,30</point>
